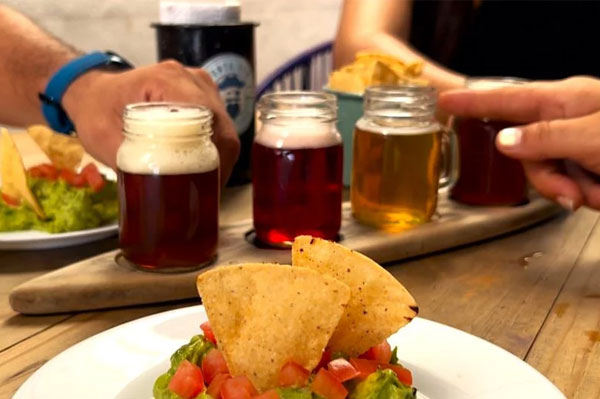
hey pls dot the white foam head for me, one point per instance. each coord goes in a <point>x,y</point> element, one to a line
<point>199,12</point>
<point>369,125</point>
<point>298,133</point>
<point>164,138</point>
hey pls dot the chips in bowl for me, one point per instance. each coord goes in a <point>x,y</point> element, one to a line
<point>373,68</point>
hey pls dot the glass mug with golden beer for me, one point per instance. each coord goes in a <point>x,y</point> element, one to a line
<point>398,157</point>
<point>297,168</point>
<point>487,177</point>
<point>168,170</point>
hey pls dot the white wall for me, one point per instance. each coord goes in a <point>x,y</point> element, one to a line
<point>286,26</point>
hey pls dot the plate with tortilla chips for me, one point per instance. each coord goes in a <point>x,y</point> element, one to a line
<point>62,198</point>
<point>270,331</point>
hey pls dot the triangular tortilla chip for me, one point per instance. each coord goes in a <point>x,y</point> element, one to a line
<point>14,178</point>
<point>264,315</point>
<point>379,304</point>
<point>65,152</point>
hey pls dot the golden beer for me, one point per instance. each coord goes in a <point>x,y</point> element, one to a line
<point>396,158</point>
<point>395,175</point>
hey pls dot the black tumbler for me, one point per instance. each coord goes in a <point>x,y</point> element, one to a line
<point>226,52</point>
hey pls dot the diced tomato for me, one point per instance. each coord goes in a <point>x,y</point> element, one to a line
<point>72,178</point>
<point>45,170</point>
<point>404,375</point>
<point>187,381</point>
<point>326,385</point>
<point>213,364</point>
<point>271,394</point>
<point>365,367</point>
<point>208,332</point>
<point>381,353</point>
<point>93,177</point>
<point>10,201</point>
<point>342,369</point>
<point>325,359</point>
<point>214,388</point>
<point>238,387</point>
<point>293,375</point>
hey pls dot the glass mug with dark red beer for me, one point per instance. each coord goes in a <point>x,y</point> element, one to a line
<point>168,171</point>
<point>297,168</point>
<point>487,177</point>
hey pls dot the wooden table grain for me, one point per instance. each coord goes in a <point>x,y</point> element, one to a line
<point>535,293</point>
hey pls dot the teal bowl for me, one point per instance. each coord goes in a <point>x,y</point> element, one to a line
<point>350,109</point>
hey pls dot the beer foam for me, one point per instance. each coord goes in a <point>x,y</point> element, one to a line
<point>166,139</point>
<point>298,134</point>
<point>370,126</point>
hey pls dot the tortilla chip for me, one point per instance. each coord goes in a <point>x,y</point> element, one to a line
<point>65,152</point>
<point>379,304</point>
<point>264,315</point>
<point>14,178</point>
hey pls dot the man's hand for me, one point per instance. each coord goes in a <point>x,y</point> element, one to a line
<point>559,137</point>
<point>95,103</point>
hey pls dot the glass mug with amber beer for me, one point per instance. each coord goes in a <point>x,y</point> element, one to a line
<point>398,157</point>
<point>487,177</point>
<point>168,170</point>
<point>297,168</point>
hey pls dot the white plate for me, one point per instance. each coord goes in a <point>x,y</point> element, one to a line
<point>123,362</point>
<point>32,239</point>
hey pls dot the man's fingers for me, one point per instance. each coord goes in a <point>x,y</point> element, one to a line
<point>525,103</point>
<point>587,182</point>
<point>577,139</point>
<point>550,181</point>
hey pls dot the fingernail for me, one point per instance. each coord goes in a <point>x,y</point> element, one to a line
<point>510,137</point>
<point>566,203</point>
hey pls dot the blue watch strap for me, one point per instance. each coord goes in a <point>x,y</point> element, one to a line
<point>51,99</point>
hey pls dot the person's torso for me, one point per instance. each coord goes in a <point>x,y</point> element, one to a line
<point>528,39</point>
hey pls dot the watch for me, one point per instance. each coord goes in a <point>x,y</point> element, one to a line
<point>51,99</point>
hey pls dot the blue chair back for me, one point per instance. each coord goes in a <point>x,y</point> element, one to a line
<point>307,71</point>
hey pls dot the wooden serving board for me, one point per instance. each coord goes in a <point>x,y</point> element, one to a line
<point>100,282</point>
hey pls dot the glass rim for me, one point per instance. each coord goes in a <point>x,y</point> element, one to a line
<point>203,119</point>
<point>318,105</point>
<point>389,92</point>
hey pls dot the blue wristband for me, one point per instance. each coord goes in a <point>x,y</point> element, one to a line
<point>51,99</point>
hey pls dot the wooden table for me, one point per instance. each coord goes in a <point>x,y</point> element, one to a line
<point>535,293</point>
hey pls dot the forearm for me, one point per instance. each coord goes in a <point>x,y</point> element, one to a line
<point>385,26</point>
<point>29,57</point>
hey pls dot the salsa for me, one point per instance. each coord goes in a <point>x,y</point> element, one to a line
<point>198,371</point>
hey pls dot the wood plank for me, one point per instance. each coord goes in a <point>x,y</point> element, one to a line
<point>102,283</point>
<point>20,361</point>
<point>567,349</point>
<point>16,267</point>
<point>490,291</point>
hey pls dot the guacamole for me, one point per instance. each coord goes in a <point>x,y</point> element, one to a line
<point>67,208</point>
<point>193,351</point>
<point>382,384</point>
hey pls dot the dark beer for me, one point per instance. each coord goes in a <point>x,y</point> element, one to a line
<point>297,163</point>
<point>297,191</point>
<point>487,177</point>
<point>169,221</point>
<point>168,171</point>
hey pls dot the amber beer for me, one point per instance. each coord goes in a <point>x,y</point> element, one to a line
<point>396,172</point>
<point>487,177</point>
<point>168,187</point>
<point>297,168</point>
<point>397,158</point>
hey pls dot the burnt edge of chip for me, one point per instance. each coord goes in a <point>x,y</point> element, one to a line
<point>414,309</point>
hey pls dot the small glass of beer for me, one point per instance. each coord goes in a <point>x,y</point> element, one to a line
<point>397,158</point>
<point>297,168</point>
<point>487,177</point>
<point>168,170</point>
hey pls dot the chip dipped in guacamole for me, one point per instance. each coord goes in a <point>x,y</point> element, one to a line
<point>50,199</point>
